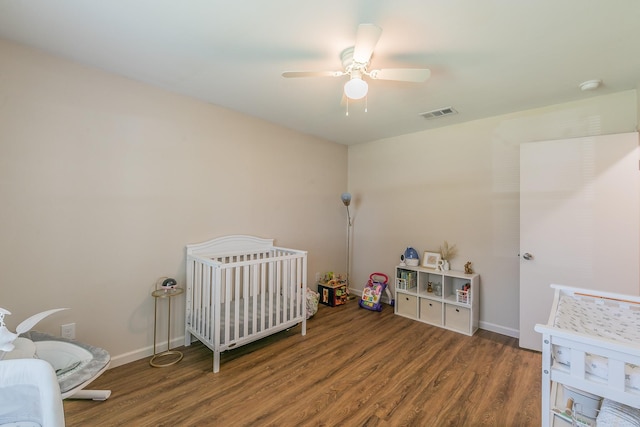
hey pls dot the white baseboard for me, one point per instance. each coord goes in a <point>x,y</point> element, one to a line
<point>132,356</point>
<point>514,333</point>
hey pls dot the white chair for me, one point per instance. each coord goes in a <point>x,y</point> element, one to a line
<point>29,394</point>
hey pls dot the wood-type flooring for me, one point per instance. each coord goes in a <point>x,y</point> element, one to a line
<point>353,368</point>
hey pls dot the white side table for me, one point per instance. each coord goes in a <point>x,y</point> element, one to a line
<point>171,357</point>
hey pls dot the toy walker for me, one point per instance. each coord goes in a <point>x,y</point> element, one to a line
<point>372,292</point>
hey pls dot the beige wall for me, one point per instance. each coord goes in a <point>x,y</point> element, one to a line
<point>460,184</point>
<point>103,181</point>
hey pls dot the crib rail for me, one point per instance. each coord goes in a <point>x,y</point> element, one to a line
<point>584,346</point>
<point>237,298</point>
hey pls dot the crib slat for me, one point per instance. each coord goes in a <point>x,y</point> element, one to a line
<point>227,305</point>
<point>284,292</point>
<point>264,268</point>
<point>291,285</point>
<point>616,374</point>
<point>270,293</point>
<point>198,304</point>
<point>278,292</point>
<point>205,300</point>
<point>245,299</point>
<point>577,363</point>
<point>236,305</point>
<point>253,297</point>
<point>199,321</point>
<point>213,301</point>
<point>303,294</point>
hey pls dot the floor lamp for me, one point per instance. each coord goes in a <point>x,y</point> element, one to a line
<point>346,199</point>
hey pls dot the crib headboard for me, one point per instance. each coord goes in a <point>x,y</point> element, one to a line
<point>230,244</point>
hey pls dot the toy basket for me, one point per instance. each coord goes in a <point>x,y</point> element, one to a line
<point>463,297</point>
<point>401,283</point>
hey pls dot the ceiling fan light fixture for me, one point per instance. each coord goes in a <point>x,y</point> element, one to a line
<point>356,88</point>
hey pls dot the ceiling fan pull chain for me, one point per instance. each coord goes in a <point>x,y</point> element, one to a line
<point>347,108</point>
<point>366,103</point>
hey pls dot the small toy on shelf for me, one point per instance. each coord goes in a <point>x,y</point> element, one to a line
<point>467,268</point>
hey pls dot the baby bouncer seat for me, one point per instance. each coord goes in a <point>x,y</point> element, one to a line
<point>76,364</point>
<point>372,292</point>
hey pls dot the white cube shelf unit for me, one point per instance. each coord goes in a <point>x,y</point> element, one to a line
<point>448,299</point>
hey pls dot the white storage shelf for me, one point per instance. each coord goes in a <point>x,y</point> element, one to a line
<point>448,299</point>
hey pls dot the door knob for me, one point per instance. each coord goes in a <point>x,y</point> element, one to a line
<point>527,256</point>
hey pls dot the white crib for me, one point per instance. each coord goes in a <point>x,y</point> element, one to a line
<point>240,289</point>
<point>591,344</point>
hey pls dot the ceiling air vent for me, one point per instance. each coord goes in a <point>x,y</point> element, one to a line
<point>438,113</point>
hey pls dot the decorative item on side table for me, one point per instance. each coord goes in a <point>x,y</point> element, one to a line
<point>167,289</point>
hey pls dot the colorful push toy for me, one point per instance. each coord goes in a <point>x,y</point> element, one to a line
<point>372,292</point>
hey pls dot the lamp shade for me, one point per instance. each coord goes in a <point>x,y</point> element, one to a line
<point>346,198</point>
<point>356,88</point>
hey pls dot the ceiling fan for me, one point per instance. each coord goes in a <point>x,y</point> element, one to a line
<point>355,63</point>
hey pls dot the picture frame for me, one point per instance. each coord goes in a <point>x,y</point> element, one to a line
<point>430,259</point>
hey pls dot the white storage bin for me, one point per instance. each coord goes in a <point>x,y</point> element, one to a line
<point>456,317</point>
<point>407,305</point>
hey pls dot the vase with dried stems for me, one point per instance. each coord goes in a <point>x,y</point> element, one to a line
<point>447,252</point>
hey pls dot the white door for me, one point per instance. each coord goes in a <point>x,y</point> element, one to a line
<point>579,221</point>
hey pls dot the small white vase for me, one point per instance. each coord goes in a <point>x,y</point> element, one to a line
<point>445,265</point>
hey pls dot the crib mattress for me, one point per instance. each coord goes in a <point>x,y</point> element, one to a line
<point>598,319</point>
<point>614,322</point>
<point>263,321</point>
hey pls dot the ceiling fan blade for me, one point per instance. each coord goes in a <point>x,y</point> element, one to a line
<point>366,40</point>
<point>293,74</point>
<point>417,75</point>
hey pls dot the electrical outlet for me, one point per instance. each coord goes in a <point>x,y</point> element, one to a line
<point>68,331</point>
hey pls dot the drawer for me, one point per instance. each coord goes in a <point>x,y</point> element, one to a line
<point>407,305</point>
<point>457,318</point>
<point>431,311</point>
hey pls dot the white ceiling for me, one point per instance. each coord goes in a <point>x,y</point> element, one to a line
<point>487,57</point>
